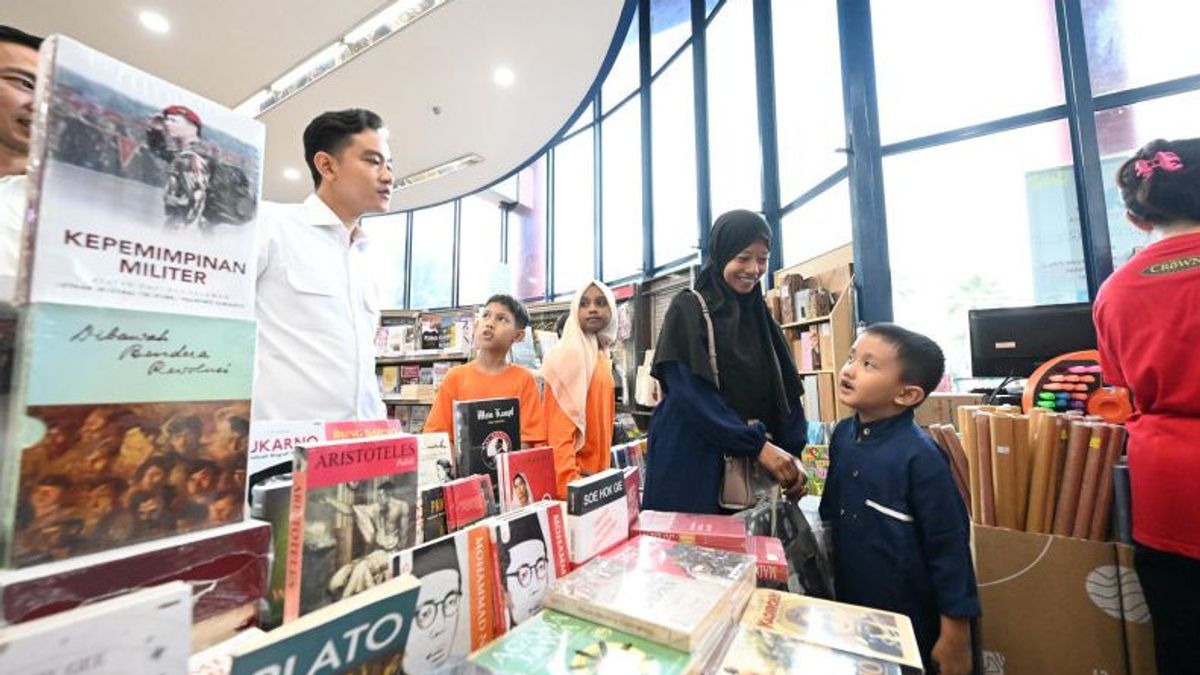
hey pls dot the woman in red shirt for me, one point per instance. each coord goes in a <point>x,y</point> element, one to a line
<point>1148,328</point>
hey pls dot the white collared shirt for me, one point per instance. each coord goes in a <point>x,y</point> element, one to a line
<point>12,225</point>
<point>317,311</point>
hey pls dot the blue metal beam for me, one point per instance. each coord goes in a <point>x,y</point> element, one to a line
<point>700,107</point>
<point>764,68</point>
<point>647,139</point>
<point>814,192</point>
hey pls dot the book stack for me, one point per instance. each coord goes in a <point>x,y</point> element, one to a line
<point>723,532</point>
<point>597,514</point>
<point>526,476</point>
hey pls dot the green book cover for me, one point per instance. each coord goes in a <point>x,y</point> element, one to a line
<point>559,644</point>
<point>815,459</point>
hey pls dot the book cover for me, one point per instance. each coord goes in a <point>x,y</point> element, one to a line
<point>142,195</point>
<point>531,553</point>
<point>435,459</point>
<point>772,561</point>
<point>225,566</point>
<point>815,460</point>
<point>389,379</point>
<point>354,503</point>
<point>762,652</point>
<point>270,502</point>
<point>482,430</point>
<point>867,632</point>
<point>723,532</point>
<point>218,659</point>
<point>468,500</point>
<point>597,514</point>
<point>362,634</point>
<point>343,430</point>
<point>433,513</point>
<point>456,611</point>
<point>553,643</point>
<point>661,590</point>
<point>633,493</point>
<point>274,442</point>
<point>148,631</point>
<point>124,427</point>
<point>526,476</point>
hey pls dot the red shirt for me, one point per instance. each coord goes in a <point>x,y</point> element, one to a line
<point>1148,325</point>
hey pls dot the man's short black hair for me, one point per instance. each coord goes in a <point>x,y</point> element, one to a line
<point>520,314</point>
<point>921,360</point>
<point>19,37</point>
<point>331,131</point>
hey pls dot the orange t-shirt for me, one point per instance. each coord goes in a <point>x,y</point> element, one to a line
<point>469,383</point>
<point>596,453</point>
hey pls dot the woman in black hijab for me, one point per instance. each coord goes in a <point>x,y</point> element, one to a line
<point>698,422</point>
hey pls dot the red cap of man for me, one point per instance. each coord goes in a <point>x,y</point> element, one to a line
<point>184,112</point>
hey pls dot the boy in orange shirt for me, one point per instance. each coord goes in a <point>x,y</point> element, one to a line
<point>501,324</point>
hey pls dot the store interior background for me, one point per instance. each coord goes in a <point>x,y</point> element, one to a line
<point>966,148</point>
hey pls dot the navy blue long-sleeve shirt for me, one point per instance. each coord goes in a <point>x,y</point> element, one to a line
<point>690,431</point>
<point>901,537</point>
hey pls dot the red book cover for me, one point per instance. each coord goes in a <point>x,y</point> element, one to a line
<point>466,500</point>
<point>633,493</point>
<point>354,503</point>
<point>339,431</point>
<point>526,476</point>
<point>772,564</point>
<point>226,566</point>
<point>723,532</point>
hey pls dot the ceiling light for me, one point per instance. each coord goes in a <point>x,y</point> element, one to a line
<point>253,105</point>
<point>504,76</point>
<point>154,22</point>
<point>438,171</point>
<point>291,174</point>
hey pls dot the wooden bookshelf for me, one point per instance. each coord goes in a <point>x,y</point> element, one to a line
<point>807,322</point>
<point>418,358</point>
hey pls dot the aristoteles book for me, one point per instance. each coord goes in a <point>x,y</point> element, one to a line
<point>148,631</point>
<point>142,195</point>
<point>354,503</point>
<point>362,634</point>
<point>456,607</point>
<point>124,427</point>
<point>724,532</point>
<point>675,594</point>
<point>597,514</point>
<point>763,652</point>
<point>531,553</point>
<point>526,476</point>
<point>871,633</point>
<point>482,430</point>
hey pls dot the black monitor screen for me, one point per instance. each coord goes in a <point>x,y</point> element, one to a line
<point>1016,340</point>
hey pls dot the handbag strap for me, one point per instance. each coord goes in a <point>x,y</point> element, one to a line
<point>712,344</point>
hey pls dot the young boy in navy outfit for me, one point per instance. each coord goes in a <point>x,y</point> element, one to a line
<point>900,528</point>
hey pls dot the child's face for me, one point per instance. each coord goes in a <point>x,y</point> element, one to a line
<point>871,379</point>
<point>496,328</point>
<point>747,267</point>
<point>594,312</point>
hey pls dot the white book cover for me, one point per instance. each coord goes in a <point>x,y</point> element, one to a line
<point>435,459</point>
<point>274,442</point>
<point>597,514</point>
<point>146,632</point>
<point>142,195</point>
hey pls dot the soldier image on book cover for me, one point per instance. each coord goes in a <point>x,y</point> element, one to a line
<point>104,476</point>
<point>351,530</point>
<point>147,193</point>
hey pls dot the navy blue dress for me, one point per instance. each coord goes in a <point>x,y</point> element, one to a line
<point>690,431</point>
<point>901,538</point>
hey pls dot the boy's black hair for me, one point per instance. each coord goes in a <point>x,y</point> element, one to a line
<point>513,305</point>
<point>331,131</point>
<point>19,37</point>
<point>921,360</point>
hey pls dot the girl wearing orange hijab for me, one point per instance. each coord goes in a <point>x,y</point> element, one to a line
<point>580,406</point>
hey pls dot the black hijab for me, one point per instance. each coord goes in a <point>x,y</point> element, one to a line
<point>758,377</point>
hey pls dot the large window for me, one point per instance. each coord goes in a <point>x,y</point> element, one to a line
<point>621,186</point>
<point>670,27</point>
<point>734,149</point>
<point>388,239</point>
<point>673,118</point>
<point>432,260</point>
<point>989,222</point>
<point>817,226</point>
<point>574,212</point>
<point>1136,42</point>
<point>481,272</point>
<point>624,77</point>
<point>527,233</point>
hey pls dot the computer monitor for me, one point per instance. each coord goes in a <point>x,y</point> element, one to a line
<point>1014,341</point>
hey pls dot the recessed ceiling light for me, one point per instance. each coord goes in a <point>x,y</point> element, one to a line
<point>291,174</point>
<point>154,22</point>
<point>504,76</point>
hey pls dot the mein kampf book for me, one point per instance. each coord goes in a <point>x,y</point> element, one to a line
<point>362,634</point>
<point>724,532</point>
<point>142,195</point>
<point>531,553</point>
<point>526,476</point>
<point>124,427</point>
<point>456,606</point>
<point>597,514</point>
<point>354,503</point>
<point>552,643</point>
<point>870,633</point>
<point>435,459</point>
<point>147,631</point>
<point>762,652</point>
<point>674,594</point>
<point>482,430</point>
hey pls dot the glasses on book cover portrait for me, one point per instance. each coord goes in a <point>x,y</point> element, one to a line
<point>525,572</point>
<point>428,610</point>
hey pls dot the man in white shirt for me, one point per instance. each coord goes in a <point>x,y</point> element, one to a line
<point>18,73</point>
<point>317,307</point>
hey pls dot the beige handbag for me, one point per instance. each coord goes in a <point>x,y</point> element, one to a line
<point>741,475</point>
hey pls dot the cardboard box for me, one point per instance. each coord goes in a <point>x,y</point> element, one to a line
<point>941,407</point>
<point>1139,631</point>
<point>1050,604</point>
